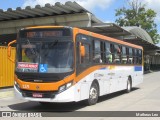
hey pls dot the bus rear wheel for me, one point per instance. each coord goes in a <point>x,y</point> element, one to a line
<point>93,94</point>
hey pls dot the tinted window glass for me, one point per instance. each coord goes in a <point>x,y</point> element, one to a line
<point>97,52</point>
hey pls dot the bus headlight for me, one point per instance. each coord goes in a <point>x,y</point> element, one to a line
<point>62,88</point>
<point>65,87</point>
<point>68,85</point>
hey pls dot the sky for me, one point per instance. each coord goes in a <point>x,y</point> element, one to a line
<point>102,9</point>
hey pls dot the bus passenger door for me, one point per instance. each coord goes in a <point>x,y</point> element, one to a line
<point>83,54</point>
<point>83,62</point>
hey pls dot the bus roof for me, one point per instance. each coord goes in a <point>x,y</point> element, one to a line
<point>107,38</point>
<point>78,30</point>
<point>37,27</point>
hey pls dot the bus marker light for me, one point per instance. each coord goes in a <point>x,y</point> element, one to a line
<point>69,85</point>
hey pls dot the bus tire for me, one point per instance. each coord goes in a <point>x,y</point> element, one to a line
<point>93,94</point>
<point>129,86</point>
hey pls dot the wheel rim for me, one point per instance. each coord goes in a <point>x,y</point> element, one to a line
<point>93,94</point>
<point>129,86</point>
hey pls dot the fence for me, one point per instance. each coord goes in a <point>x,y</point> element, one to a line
<point>6,67</point>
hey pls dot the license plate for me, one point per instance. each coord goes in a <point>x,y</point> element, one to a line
<point>37,95</point>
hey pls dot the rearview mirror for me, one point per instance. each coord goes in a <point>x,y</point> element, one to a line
<point>82,50</point>
<point>9,50</point>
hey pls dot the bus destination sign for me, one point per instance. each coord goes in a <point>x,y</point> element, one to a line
<point>43,34</point>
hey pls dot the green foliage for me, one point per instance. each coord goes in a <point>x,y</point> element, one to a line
<point>137,15</point>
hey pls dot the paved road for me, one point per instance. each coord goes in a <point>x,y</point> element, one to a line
<point>145,97</point>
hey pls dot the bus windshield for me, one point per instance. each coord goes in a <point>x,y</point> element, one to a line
<point>54,56</point>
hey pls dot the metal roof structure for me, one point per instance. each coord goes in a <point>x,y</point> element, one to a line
<point>139,32</point>
<point>140,37</point>
<point>131,34</point>
<point>134,35</point>
<point>48,10</point>
<point>107,29</point>
<point>71,14</point>
<point>67,14</point>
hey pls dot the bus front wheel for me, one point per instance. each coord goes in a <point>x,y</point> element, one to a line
<point>93,94</point>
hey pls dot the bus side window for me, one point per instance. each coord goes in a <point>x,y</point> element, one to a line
<point>97,52</point>
<point>108,54</point>
<point>86,59</point>
<point>134,57</point>
<point>124,55</point>
<point>130,59</point>
<point>137,59</point>
<point>117,52</point>
<point>83,53</point>
<point>102,52</point>
<point>140,56</point>
<point>112,53</point>
<point>127,54</point>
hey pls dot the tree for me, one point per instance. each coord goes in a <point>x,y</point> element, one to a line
<point>137,15</point>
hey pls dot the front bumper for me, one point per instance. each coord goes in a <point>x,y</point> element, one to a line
<point>65,96</point>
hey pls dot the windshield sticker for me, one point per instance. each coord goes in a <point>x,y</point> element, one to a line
<point>28,67</point>
<point>43,68</point>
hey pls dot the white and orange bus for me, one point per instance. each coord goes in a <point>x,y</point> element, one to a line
<point>66,64</point>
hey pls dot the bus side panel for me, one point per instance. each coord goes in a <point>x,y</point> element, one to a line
<point>86,82</point>
<point>101,76</point>
<point>138,75</point>
<point>85,85</point>
<point>122,73</point>
<point>111,79</point>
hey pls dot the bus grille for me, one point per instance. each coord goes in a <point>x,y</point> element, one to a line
<point>45,94</point>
